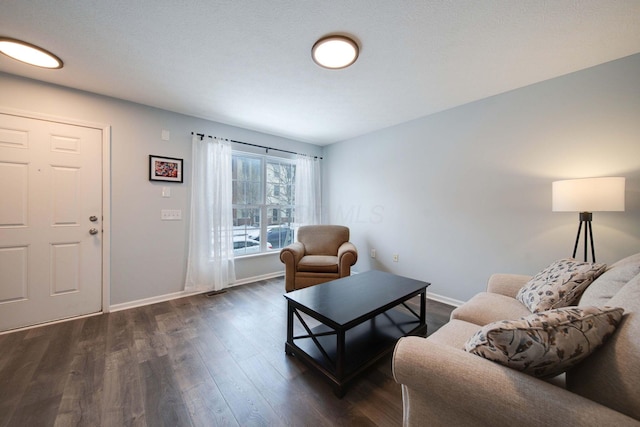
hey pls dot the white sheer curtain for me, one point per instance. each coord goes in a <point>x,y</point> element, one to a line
<point>210,263</point>
<point>308,191</point>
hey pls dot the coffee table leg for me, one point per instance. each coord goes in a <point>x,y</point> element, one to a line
<point>340,362</point>
<point>289,328</point>
<point>423,310</point>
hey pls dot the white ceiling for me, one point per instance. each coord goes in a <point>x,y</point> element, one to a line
<point>247,62</point>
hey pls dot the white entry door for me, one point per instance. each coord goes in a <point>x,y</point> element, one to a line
<point>50,221</point>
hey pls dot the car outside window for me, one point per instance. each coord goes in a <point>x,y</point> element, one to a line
<point>263,203</point>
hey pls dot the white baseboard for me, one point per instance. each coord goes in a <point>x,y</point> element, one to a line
<point>182,294</point>
<point>258,278</point>
<point>444,300</point>
<point>151,300</point>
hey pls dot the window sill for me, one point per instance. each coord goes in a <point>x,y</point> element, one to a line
<point>258,255</point>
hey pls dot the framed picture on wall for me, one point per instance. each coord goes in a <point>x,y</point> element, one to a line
<point>165,169</point>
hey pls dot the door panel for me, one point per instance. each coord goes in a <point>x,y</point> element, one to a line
<point>50,185</point>
<point>64,193</point>
<point>13,209</point>
<point>13,273</point>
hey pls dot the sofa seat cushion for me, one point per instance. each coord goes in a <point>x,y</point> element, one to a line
<point>318,264</point>
<point>486,307</point>
<point>558,285</point>
<point>548,343</point>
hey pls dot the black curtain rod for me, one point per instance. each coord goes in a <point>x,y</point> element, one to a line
<point>202,136</point>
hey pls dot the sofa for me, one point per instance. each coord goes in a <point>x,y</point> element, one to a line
<point>321,253</point>
<point>443,383</point>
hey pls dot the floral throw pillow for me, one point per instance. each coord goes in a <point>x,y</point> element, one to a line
<point>558,285</point>
<point>548,343</point>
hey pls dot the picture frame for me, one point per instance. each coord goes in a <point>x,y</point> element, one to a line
<point>167,169</point>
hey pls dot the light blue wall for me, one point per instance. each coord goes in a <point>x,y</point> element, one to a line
<point>148,256</point>
<point>464,193</point>
<point>458,195</point>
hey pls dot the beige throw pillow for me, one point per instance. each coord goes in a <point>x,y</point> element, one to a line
<point>546,344</point>
<point>558,285</point>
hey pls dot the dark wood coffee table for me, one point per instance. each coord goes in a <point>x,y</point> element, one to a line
<point>361,318</point>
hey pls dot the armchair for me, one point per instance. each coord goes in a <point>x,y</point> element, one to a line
<point>322,253</point>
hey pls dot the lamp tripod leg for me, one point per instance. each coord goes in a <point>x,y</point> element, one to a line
<point>593,251</point>
<point>586,241</point>
<point>575,247</point>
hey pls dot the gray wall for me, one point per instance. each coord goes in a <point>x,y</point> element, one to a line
<point>148,256</point>
<point>464,193</point>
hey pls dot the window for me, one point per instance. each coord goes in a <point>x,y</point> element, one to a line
<point>263,203</point>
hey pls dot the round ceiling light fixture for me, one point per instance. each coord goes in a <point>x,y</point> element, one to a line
<point>29,54</point>
<point>335,52</point>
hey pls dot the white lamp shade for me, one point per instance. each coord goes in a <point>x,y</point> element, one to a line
<point>588,195</point>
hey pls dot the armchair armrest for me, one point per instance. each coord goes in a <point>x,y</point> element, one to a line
<point>290,256</point>
<point>507,284</point>
<point>347,256</point>
<point>443,385</point>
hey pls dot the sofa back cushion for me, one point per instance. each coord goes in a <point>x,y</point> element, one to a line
<point>611,281</point>
<point>611,375</point>
<point>322,239</point>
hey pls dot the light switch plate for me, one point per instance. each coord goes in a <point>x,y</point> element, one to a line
<point>166,191</point>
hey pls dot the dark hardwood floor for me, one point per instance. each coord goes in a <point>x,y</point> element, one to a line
<point>201,361</point>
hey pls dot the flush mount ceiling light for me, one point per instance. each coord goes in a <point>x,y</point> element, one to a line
<point>335,52</point>
<point>28,53</point>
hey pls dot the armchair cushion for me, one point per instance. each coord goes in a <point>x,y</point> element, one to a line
<point>548,343</point>
<point>558,285</point>
<point>318,264</point>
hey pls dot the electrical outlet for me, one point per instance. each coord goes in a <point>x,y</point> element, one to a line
<point>373,253</point>
<point>395,258</point>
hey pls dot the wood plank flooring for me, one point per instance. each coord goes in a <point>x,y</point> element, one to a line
<point>195,361</point>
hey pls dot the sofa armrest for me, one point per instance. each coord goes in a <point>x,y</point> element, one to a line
<point>506,284</point>
<point>347,256</point>
<point>443,385</point>
<point>290,256</point>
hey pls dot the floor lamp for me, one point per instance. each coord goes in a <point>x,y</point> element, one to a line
<point>586,196</point>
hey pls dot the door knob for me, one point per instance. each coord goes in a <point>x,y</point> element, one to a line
<point>93,231</point>
<point>93,218</point>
